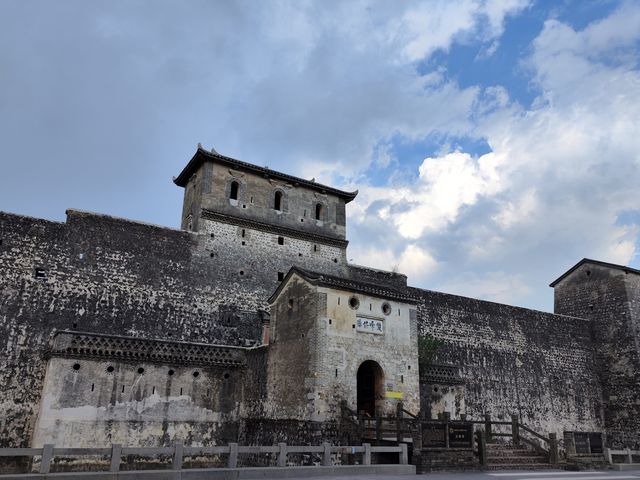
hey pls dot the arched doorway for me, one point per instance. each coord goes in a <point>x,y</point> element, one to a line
<point>370,386</point>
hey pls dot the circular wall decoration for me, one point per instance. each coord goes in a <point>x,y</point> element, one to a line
<point>354,302</point>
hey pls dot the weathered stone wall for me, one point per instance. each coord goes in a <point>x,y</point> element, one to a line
<point>536,365</point>
<point>292,352</point>
<point>610,297</point>
<point>103,274</point>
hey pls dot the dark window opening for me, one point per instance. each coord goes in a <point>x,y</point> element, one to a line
<point>302,335</point>
<point>212,235</point>
<point>40,273</point>
<point>212,254</point>
<point>76,366</point>
<point>401,378</point>
<point>180,391</point>
<point>93,386</point>
<point>335,260</point>
<point>280,276</point>
<point>110,368</point>
<point>226,376</point>
<point>588,272</point>
<point>140,370</point>
<point>408,367</point>
<point>291,303</point>
<point>386,308</point>
<point>354,302</point>
<point>244,243</point>
<point>122,388</point>
<point>171,372</point>
<point>338,300</point>
<point>336,373</point>
<point>318,211</point>
<point>243,233</point>
<point>315,248</point>
<point>280,240</point>
<point>196,374</point>
<point>75,325</point>
<point>153,391</point>
<point>233,195</point>
<point>277,201</point>
<point>241,272</point>
<point>329,321</point>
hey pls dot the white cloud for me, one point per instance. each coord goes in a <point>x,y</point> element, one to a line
<point>552,189</point>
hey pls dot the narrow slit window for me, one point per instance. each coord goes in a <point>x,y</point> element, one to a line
<point>280,276</point>
<point>233,194</point>
<point>318,211</point>
<point>277,202</point>
<point>280,240</point>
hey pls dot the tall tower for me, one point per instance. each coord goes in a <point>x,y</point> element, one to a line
<point>609,295</point>
<point>257,223</point>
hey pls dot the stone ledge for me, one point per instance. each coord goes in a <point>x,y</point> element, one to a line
<point>225,473</point>
<point>114,347</point>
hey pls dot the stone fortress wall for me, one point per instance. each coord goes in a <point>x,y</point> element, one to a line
<point>100,274</point>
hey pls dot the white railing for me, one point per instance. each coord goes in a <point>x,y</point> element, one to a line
<point>179,451</point>
<point>609,454</point>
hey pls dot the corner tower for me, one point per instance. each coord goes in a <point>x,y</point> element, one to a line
<point>609,295</point>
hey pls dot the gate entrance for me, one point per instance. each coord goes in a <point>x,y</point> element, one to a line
<point>370,387</point>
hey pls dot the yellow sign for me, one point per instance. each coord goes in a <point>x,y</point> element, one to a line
<point>394,395</point>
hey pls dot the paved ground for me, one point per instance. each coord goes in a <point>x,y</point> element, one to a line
<point>516,475</point>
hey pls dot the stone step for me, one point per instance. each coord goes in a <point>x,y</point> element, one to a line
<point>520,466</point>
<point>522,452</point>
<point>513,460</point>
<point>504,446</point>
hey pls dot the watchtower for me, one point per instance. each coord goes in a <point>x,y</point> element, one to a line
<point>609,295</point>
<point>256,223</point>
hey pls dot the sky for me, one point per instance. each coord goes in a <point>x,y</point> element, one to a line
<point>494,143</point>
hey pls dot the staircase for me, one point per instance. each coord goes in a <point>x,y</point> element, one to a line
<point>506,456</point>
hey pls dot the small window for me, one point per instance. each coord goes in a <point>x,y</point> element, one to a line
<point>315,248</point>
<point>140,371</point>
<point>40,273</point>
<point>171,372</point>
<point>386,308</point>
<point>196,374</point>
<point>280,240</point>
<point>280,276</point>
<point>243,233</point>
<point>277,202</point>
<point>233,194</point>
<point>291,303</point>
<point>318,211</point>
<point>76,366</point>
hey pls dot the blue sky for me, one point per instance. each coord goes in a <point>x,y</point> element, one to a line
<point>494,142</point>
